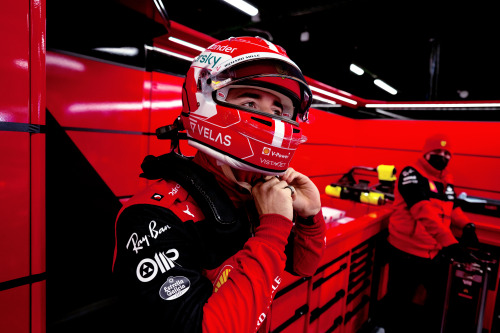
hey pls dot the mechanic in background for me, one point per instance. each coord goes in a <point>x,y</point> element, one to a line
<point>421,241</point>
<point>205,247</point>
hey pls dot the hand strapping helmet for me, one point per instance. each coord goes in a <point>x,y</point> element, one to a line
<point>241,137</point>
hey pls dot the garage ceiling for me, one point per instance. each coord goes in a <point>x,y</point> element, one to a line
<point>426,50</point>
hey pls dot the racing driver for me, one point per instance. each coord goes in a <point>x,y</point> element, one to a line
<point>205,246</point>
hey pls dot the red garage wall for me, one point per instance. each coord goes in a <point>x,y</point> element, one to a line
<point>22,167</point>
<point>84,147</point>
<point>338,143</point>
<point>105,115</point>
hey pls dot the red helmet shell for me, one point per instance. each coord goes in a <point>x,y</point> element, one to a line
<point>242,138</point>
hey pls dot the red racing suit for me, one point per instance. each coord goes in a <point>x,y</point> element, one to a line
<point>424,208</point>
<point>178,270</point>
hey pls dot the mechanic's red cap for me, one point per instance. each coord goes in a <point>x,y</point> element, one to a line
<point>437,141</point>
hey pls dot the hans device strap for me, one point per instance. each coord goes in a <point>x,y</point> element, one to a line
<point>199,183</point>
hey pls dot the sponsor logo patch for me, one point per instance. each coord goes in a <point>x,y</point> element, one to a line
<point>276,154</point>
<point>222,48</point>
<point>147,269</point>
<point>175,189</point>
<point>450,193</point>
<point>263,315</point>
<point>208,59</point>
<point>266,151</point>
<point>272,163</point>
<point>212,135</point>
<point>408,172</point>
<point>136,242</point>
<point>222,277</point>
<point>433,187</point>
<point>157,197</point>
<point>174,287</point>
<point>409,180</point>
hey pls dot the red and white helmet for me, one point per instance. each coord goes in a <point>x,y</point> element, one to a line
<point>241,137</point>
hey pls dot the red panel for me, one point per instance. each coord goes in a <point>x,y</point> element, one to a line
<point>15,199</point>
<point>285,306</point>
<point>116,157</point>
<point>166,99</point>
<point>166,106</point>
<point>476,172</point>
<point>328,291</point>
<point>96,95</point>
<point>38,312</point>
<point>478,138</point>
<point>37,150</point>
<point>14,62</point>
<point>487,228</point>
<point>359,318</point>
<point>159,147</point>
<point>15,310</point>
<point>37,61</point>
<point>37,203</point>
<point>338,143</point>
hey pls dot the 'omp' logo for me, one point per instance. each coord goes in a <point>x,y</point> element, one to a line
<point>266,151</point>
<point>147,269</point>
<point>174,287</point>
<point>222,278</point>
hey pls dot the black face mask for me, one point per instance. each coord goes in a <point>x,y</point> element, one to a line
<point>438,162</point>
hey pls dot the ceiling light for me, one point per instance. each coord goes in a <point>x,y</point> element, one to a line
<point>381,84</point>
<point>243,6</point>
<point>304,36</point>
<point>170,53</point>
<point>463,93</point>
<point>188,44</point>
<point>342,98</point>
<point>356,70</point>
<point>329,101</point>
<point>433,105</point>
<point>256,18</point>
<point>122,51</point>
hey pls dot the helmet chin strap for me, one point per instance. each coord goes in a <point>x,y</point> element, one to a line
<point>228,172</point>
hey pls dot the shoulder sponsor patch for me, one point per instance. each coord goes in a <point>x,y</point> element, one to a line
<point>174,287</point>
<point>222,277</point>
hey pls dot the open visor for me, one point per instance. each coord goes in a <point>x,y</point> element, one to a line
<point>277,77</point>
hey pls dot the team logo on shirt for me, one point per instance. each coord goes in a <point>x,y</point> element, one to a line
<point>147,269</point>
<point>407,172</point>
<point>174,287</point>
<point>187,211</point>
<point>450,193</point>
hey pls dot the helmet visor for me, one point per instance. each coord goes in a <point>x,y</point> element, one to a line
<point>280,78</point>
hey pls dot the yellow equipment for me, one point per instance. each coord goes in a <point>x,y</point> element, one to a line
<point>351,187</point>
